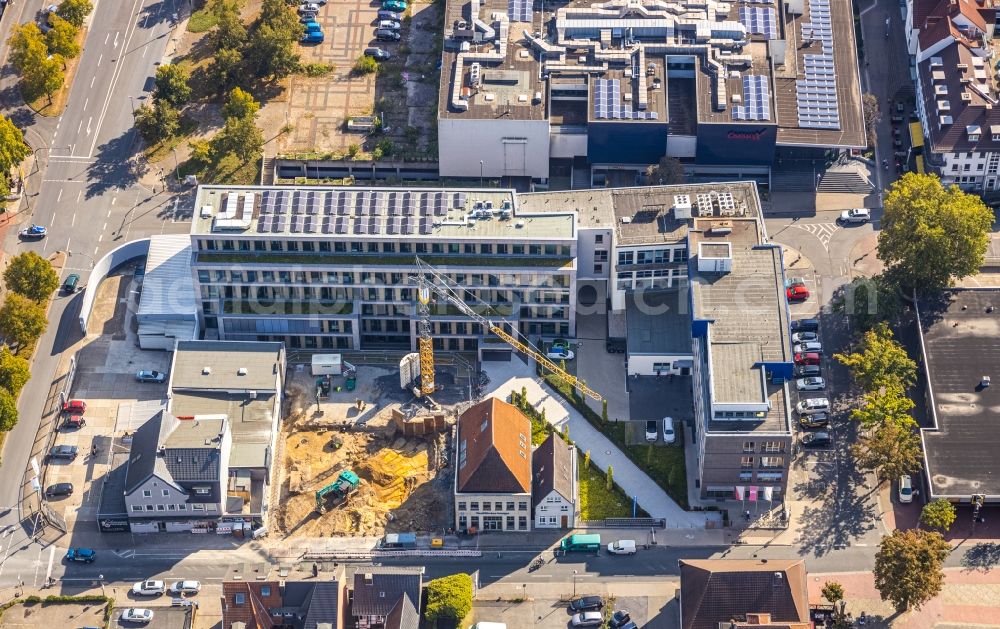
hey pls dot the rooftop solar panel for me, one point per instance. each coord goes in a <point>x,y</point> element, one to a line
<point>341,226</point>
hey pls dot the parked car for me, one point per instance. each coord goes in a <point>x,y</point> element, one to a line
<point>153,587</point>
<point>806,371</point>
<point>378,53</point>
<point>308,7</point>
<point>136,614</point>
<point>816,420</point>
<point>81,555</point>
<point>63,452</point>
<point>312,25</point>
<point>797,292</point>
<point>586,604</point>
<point>805,337</point>
<point>74,406</point>
<point>74,421</point>
<point>384,34</point>
<point>69,284</point>
<point>816,440</point>
<point>804,325</point>
<point>185,587</point>
<point>795,281</point>
<point>622,547</point>
<point>813,405</point>
<point>652,431</point>
<point>588,619</point>
<point>857,216</point>
<point>905,489</point>
<point>389,25</point>
<point>811,346</point>
<point>619,619</point>
<point>810,384</point>
<point>33,232</point>
<point>560,343</point>
<point>313,37</point>
<point>557,353</point>
<point>394,5</point>
<point>145,375</point>
<point>383,14</point>
<point>669,436</point>
<point>59,489</point>
<point>810,358</point>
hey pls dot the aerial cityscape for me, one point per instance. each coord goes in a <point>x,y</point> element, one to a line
<point>497,314</point>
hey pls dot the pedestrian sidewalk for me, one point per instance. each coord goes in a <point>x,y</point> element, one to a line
<point>513,375</point>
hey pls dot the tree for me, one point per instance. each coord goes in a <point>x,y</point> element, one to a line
<point>27,46</point>
<point>45,78</point>
<point>156,124</point>
<point>939,514</point>
<point>230,31</point>
<point>240,104</point>
<point>884,407</point>
<point>610,477</point>
<point>449,598</point>
<point>75,11</point>
<point>869,105</point>
<point>13,149</point>
<point>31,275</point>
<point>908,567</point>
<point>891,450</point>
<point>171,84</point>
<point>8,411</point>
<point>867,301</point>
<point>272,48</point>
<point>201,151</point>
<point>604,411</point>
<point>668,171</point>
<point>226,67</point>
<point>22,320</point>
<point>932,235</point>
<point>881,363</point>
<point>586,460</point>
<point>240,137</point>
<point>365,65</point>
<point>14,371</point>
<point>353,150</point>
<point>833,592</point>
<point>61,38</point>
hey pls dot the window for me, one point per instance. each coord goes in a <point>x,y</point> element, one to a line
<point>772,461</point>
<point>522,523</point>
<point>462,521</point>
<point>748,446</point>
<point>772,446</point>
<point>600,255</point>
<point>149,507</point>
<point>522,506</point>
<point>475,506</point>
<point>461,506</point>
<point>161,507</point>
<point>147,493</point>
<point>599,238</point>
<point>166,493</point>
<point>625,257</point>
<point>171,507</point>
<point>265,590</point>
<point>239,598</point>
<point>510,506</point>
<point>137,508</point>
<point>510,523</point>
<point>746,476</point>
<point>746,462</point>
<point>487,506</point>
<point>182,507</point>
<point>552,520</point>
<point>498,506</point>
<point>769,476</point>
<point>203,491</point>
<point>197,507</point>
<point>564,508</point>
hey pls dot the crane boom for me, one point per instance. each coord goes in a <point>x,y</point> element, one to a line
<point>442,290</point>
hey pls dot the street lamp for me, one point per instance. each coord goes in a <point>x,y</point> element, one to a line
<point>131,100</point>
<point>574,583</point>
<point>177,177</point>
<point>80,253</point>
<point>101,578</point>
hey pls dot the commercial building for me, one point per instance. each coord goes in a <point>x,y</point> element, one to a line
<point>960,349</point>
<point>957,97</point>
<point>610,87</point>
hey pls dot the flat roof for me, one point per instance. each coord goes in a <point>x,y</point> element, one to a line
<point>249,420</point>
<point>736,379</point>
<point>659,322</point>
<point>360,213</point>
<point>961,344</point>
<point>195,433</point>
<point>168,286</point>
<point>226,366</point>
<point>777,419</point>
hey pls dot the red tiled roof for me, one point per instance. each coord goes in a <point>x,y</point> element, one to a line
<point>253,612</point>
<point>494,449</point>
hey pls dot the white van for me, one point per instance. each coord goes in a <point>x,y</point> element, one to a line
<point>622,547</point>
<point>813,405</point>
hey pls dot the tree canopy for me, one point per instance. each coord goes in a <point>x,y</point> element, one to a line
<point>171,85</point>
<point>61,38</point>
<point>27,46</point>
<point>939,514</point>
<point>449,598</point>
<point>158,123</point>
<point>880,362</point>
<point>909,567</point>
<point>13,149</point>
<point>240,137</point>
<point>668,171</point>
<point>75,11</point>
<point>31,275</point>
<point>884,407</point>
<point>932,235</point>
<point>8,410</point>
<point>14,371</point>
<point>230,31</point>
<point>867,301</point>
<point>891,450</point>
<point>22,320</point>
<point>272,48</point>
<point>240,104</point>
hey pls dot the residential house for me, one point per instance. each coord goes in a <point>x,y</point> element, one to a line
<point>387,598</point>
<point>554,484</point>
<point>744,593</point>
<point>256,597</point>
<point>493,468</point>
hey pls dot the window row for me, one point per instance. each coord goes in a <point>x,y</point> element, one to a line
<point>370,246</point>
<point>474,505</point>
<point>766,462</point>
<point>652,256</point>
<point>765,446</point>
<point>493,523</point>
<point>380,278</point>
<point>171,507</point>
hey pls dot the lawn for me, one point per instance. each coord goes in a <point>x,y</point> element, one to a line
<point>225,169</point>
<point>202,20</point>
<point>596,501</point>
<point>161,150</point>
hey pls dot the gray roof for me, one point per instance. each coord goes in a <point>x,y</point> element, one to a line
<point>659,322</point>
<point>142,453</point>
<point>961,344</point>
<point>403,615</point>
<point>196,433</point>
<point>321,606</point>
<point>224,359</point>
<point>250,422</point>
<point>168,289</point>
<point>378,589</point>
<point>192,464</point>
<point>552,469</point>
<point>736,380</point>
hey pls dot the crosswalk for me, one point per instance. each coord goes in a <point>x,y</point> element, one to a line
<point>822,231</point>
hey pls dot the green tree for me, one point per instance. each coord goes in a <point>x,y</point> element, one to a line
<point>880,363</point>
<point>272,47</point>
<point>156,124</point>
<point>240,137</point>
<point>240,104</point>
<point>27,46</point>
<point>75,11</point>
<point>13,149</point>
<point>833,592</point>
<point>22,320</point>
<point>586,460</point>
<point>872,115</point>
<point>201,151</point>
<point>61,38</point>
<point>449,598</point>
<point>8,410</point>
<point>867,301</point>
<point>353,150</point>
<point>230,31</point>
<point>45,78</point>
<point>884,407</point>
<point>171,85</point>
<point>274,11</point>
<point>226,68</point>
<point>365,65</point>
<point>31,275</point>
<point>891,450</point>
<point>14,371</point>
<point>909,567</point>
<point>932,235</point>
<point>668,171</point>
<point>939,514</point>
<point>610,478</point>
<point>604,411</point>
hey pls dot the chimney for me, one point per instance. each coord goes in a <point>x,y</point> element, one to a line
<point>368,578</point>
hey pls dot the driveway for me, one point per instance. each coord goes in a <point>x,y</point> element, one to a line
<point>511,376</point>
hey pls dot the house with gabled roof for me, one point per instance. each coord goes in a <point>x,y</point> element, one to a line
<point>554,484</point>
<point>387,597</point>
<point>493,468</point>
<point>255,596</point>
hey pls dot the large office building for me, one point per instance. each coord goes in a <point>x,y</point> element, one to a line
<point>608,88</point>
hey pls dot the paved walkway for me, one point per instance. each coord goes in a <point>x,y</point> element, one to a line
<point>511,376</point>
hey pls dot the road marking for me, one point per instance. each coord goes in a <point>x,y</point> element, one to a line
<point>822,231</point>
<point>79,195</point>
<point>67,243</point>
<point>85,103</point>
<point>116,38</point>
<point>107,37</point>
<point>89,120</point>
<point>92,79</point>
<point>96,249</point>
<point>100,238</point>
<point>105,228</point>
<point>100,59</point>
<point>73,222</point>
<point>78,127</point>
<point>59,198</point>
<point>130,30</point>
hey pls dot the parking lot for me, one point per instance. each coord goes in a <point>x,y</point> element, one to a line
<point>164,617</point>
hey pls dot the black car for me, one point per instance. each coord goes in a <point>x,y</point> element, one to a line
<point>819,420</point>
<point>619,619</point>
<point>808,371</point>
<point>384,14</point>
<point>805,325</point>
<point>817,440</point>
<point>586,604</point>
<point>59,489</point>
<point>63,452</point>
<point>384,34</point>
<point>377,53</point>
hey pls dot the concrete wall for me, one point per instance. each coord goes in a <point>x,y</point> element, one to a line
<point>507,148</point>
<point>586,245</point>
<point>113,259</point>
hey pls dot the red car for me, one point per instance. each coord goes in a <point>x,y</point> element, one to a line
<point>77,407</point>
<point>809,358</point>
<point>797,292</point>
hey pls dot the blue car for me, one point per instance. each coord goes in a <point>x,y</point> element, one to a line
<point>313,37</point>
<point>35,232</point>
<point>312,26</point>
<point>84,555</point>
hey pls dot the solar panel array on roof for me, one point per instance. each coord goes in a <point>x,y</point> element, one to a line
<point>756,99</point>
<point>520,10</point>
<point>816,94</point>
<point>608,103</point>
<point>760,20</point>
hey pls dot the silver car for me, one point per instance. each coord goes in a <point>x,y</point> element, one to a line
<point>588,619</point>
<point>810,384</point>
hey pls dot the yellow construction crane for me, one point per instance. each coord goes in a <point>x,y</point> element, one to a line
<point>429,281</point>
